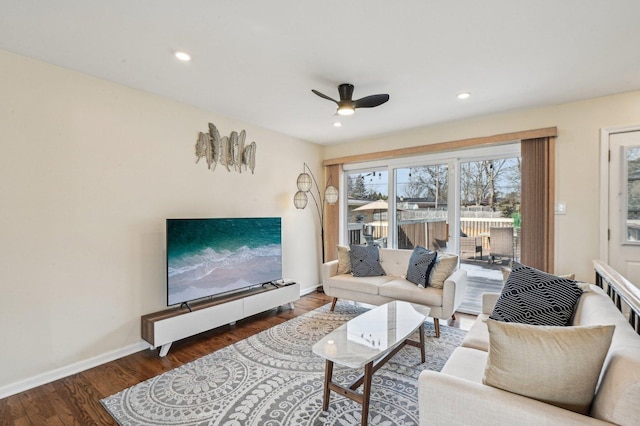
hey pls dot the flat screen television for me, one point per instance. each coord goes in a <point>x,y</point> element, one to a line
<point>209,257</point>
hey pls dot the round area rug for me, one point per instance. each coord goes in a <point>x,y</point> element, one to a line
<point>273,378</point>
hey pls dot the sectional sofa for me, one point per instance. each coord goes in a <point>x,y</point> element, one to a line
<point>457,395</point>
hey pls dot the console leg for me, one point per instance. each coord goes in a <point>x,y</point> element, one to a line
<point>333,304</point>
<point>164,349</point>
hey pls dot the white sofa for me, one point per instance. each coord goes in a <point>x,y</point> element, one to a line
<point>393,286</point>
<point>457,396</point>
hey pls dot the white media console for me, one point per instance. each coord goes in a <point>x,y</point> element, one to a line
<point>163,328</point>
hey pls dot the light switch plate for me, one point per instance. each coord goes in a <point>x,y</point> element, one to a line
<point>560,208</point>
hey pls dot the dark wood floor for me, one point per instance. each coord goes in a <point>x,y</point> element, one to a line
<point>75,400</point>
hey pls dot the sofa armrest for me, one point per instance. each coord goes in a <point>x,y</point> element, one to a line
<point>489,302</point>
<point>453,292</point>
<point>448,400</point>
<point>328,270</point>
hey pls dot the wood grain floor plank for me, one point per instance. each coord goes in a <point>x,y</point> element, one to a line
<point>75,400</point>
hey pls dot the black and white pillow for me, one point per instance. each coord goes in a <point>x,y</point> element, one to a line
<point>420,265</point>
<point>534,297</point>
<point>365,261</point>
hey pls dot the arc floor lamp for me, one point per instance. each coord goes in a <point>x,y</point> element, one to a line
<point>305,182</point>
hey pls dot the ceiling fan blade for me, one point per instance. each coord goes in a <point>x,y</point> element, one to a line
<point>324,96</point>
<point>371,101</point>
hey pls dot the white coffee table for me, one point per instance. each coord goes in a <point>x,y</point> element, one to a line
<point>368,341</point>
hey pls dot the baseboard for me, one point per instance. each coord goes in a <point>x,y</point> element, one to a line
<point>304,292</point>
<point>77,367</point>
<point>59,373</point>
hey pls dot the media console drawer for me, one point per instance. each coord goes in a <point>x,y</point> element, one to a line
<point>161,329</point>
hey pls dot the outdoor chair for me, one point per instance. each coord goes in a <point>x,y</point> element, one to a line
<point>500,243</point>
<point>471,245</point>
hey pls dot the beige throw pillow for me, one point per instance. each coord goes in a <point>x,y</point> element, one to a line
<point>445,265</point>
<point>556,365</point>
<point>344,260</point>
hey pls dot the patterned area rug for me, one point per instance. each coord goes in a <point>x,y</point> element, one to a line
<point>273,378</point>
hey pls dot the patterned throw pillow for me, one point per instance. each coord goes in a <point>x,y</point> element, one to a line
<point>420,265</point>
<point>535,297</point>
<point>365,261</point>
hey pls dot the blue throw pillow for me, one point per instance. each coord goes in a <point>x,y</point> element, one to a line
<point>534,297</point>
<point>365,261</point>
<point>420,265</point>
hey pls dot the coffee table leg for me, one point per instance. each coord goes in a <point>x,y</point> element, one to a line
<point>366,393</point>
<point>328,373</point>
<point>422,349</point>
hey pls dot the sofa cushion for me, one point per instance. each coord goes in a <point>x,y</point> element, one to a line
<point>444,266</point>
<point>466,363</point>
<point>420,265</point>
<point>402,289</point>
<point>365,261</point>
<point>371,285</point>
<point>395,261</point>
<point>556,365</point>
<point>478,335</point>
<point>531,296</point>
<point>344,260</point>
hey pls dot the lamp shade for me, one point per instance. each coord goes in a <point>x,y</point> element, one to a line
<point>331,194</point>
<point>304,183</point>
<point>300,200</point>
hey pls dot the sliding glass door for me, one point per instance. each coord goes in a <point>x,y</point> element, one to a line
<point>421,194</point>
<point>448,201</point>
<point>490,224</point>
<point>367,207</point>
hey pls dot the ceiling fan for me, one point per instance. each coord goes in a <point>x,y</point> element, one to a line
<point>347,106</point>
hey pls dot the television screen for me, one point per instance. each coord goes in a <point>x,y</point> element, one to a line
<point>208,257</point>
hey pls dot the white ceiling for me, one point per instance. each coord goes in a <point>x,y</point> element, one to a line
<point>257,60</point>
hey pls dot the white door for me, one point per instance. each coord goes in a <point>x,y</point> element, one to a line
<point>624,204</point>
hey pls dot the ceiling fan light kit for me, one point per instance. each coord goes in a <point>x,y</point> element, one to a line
<point>346,110</point>
<point>346,104</point>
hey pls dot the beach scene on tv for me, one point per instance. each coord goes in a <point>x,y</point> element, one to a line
<point>208,257</point>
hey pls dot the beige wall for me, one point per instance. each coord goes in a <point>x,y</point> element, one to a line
<point>577,154</point>
<point>89,170</point>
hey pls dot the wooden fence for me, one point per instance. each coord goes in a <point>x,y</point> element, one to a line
<point>429,233</point>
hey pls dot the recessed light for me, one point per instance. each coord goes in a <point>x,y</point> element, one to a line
<point>337,124</point>
<point>464,95</point>
<point>182,56</point>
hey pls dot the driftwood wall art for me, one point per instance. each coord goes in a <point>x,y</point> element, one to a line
<point>227,151</point>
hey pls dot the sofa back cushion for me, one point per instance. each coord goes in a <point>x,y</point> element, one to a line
<point>395,261</point>
<point>618,397</point>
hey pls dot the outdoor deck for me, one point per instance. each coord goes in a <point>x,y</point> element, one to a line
<point>482,278</point>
